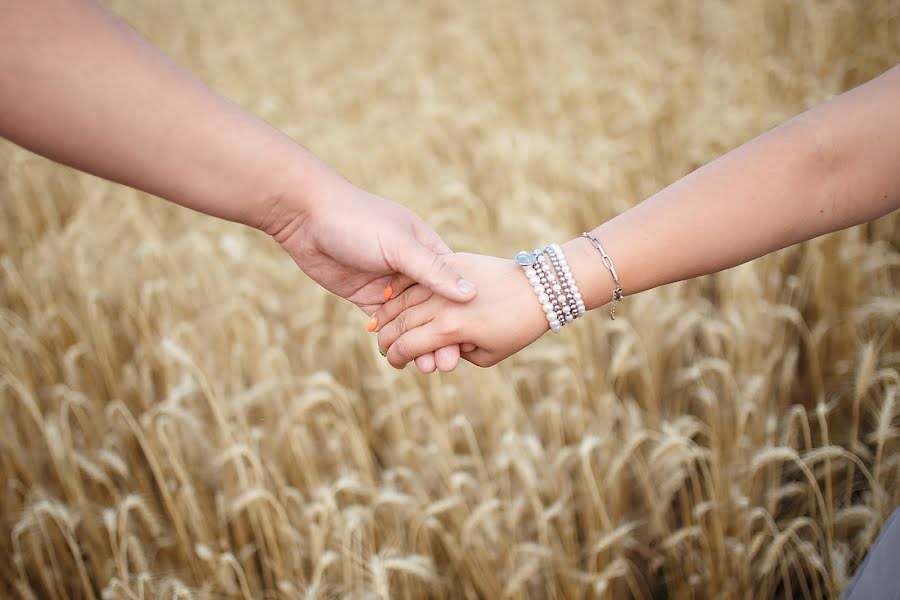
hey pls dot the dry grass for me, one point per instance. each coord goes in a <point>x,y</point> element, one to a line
<point>182,414</point>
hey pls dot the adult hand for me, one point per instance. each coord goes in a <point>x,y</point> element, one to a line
<point>353,244</point>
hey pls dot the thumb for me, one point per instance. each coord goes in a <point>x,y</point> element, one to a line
<point>430,238</point>
<point>433,271</point>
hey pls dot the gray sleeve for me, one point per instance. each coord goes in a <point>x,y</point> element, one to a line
<point>879,575</point>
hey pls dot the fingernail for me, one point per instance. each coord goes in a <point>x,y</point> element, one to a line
<point>466,287</point>
<point>382,352</point>
<point>373,323</point>
<point>388,292</point>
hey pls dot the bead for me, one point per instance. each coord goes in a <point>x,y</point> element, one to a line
<point>542,259</point>
<point>566,308</point>
<point>577,295</point>
<point>555,323</point>
<point>535,280</point>
<point>542,298</point>
<point>557,288</point>
<point>569,318</point>
<point>561,298</point>
<point>548,307</point>
<point>539,289</point>
<point>530,272</point>
<point>556,329</point>
<point>552,316</point>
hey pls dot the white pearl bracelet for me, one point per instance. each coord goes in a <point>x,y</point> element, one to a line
<point>553,283</point>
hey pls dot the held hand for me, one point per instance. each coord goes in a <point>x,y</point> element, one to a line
<point>503,319</point>
<point>352,243</point>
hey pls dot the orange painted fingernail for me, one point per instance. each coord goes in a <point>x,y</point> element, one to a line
<point>388,292</point>
<point>373,323</point>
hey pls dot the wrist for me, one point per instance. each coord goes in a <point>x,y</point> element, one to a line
<point>526,311</point>
<point>593,279</point>
<point>302,185</point>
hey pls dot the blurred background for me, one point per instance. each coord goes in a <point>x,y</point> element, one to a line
<point>184,414</point>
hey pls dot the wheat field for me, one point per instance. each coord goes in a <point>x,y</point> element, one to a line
<point>184,415</point>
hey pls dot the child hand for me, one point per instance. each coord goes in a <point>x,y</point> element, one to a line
<point>504,317</point>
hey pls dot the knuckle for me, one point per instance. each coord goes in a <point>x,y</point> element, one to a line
<point>401,322</point>
<point>450,327</point>
<point>399,355</point>
<point>405,301</point>
<point>438,265</point>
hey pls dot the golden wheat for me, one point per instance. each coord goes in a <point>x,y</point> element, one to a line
<point>184,415</point>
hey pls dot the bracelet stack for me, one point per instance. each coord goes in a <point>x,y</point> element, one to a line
<point>549,274</point>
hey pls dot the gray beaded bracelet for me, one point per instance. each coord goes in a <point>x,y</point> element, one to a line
<point>569,289</point>
<point>553,283</point>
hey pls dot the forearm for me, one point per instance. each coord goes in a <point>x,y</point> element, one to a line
<point>80,87</point>
<point>833,167</point>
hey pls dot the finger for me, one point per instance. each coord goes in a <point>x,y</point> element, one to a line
<point>479,357</point>
<point>410,318</point>
<point>389,310</point>
<point>416,342</point>
<point>431,239</point>
<point>446,359</point>
<point>399,283</point>
<point>426,363</point>
<point>467,347</point>
<point>432,270</point>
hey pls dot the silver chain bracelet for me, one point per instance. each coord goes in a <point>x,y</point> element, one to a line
<point>618,294</point>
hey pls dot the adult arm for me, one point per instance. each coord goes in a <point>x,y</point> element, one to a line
<point>80,87</point>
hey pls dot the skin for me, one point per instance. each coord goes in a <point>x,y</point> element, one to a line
<point>833,167</point>
<point>80,87</point>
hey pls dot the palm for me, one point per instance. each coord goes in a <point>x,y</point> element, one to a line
<point>365,289</point>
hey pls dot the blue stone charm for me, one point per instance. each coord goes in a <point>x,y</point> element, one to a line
<point>525,259</point>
